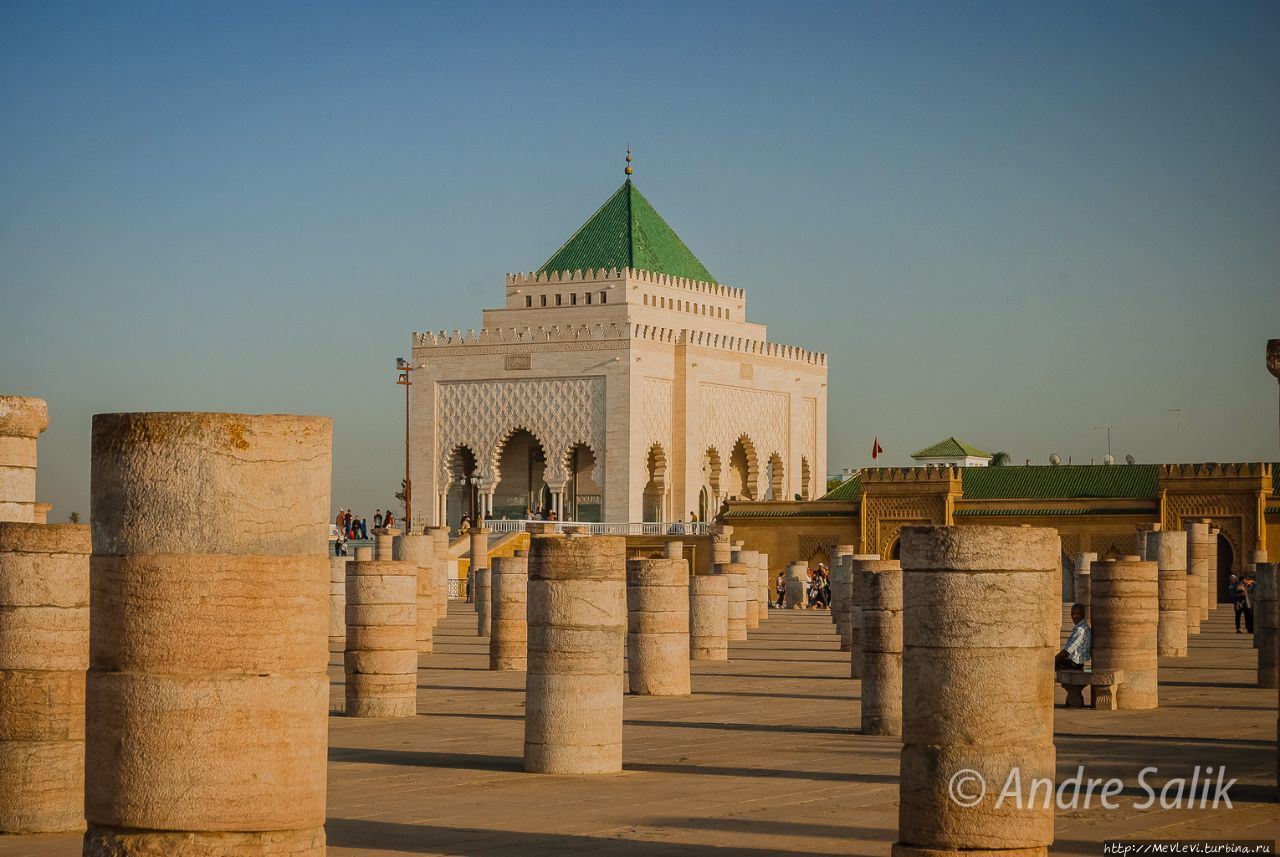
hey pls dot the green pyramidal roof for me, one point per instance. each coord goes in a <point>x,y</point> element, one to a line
<point>950,448</point>
<point>626,232</point>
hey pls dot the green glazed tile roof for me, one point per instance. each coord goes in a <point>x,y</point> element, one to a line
<point>807,512</point>
<point>850,489</point>
<point>1064,481</point>
<point>627,232</point>
<point>1046,513</point>
<point>950,448</point>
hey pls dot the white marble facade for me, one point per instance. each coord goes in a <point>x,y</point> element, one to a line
<point>618,395</point>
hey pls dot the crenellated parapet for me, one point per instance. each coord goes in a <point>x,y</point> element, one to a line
<point>741,344</point>
<point>603,275</point>
<point>520,335</point>
<point>1214,470</point>
<point>932,473</point>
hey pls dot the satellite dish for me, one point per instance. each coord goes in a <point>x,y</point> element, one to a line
<point>1055,459</point>
<point>1108,459</point>
<point>1129,459</point>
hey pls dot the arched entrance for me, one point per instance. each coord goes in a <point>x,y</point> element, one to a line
<point>521,463</point>
<point>773,478</point>
<point>743,469</point>
<point>655,489</point>
<point>584,495</point>
<point>462,497</point>
<point>1226,562</point>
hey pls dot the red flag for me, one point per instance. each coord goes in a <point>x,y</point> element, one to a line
<point>876,449</point>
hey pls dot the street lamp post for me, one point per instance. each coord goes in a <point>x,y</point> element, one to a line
<point>402,378</point>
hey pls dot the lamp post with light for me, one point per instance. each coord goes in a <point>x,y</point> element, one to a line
<point>402,378</point>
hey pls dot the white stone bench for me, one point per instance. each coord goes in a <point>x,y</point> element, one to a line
<point>1102,685</point>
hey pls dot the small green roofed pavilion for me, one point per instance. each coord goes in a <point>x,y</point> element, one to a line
<point>953,451</point>
<point>627,232</point>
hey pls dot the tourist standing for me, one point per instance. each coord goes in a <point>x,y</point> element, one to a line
<point>377,520</point>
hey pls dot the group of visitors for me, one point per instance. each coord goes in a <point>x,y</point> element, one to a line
<point>1241,592</point>
<point>353,528</point>
<point>817,585</point>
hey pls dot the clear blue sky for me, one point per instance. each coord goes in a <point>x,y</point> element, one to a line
<point>1011,222</point>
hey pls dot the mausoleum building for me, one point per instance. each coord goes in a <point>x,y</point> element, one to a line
<point>621,381</point>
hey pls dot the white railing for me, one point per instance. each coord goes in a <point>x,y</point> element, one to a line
<point>643,528</point>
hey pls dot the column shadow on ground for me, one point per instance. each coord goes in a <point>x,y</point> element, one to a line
<point>471,842</point>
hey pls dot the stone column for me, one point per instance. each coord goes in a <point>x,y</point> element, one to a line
<point>479,558</point>
<point>418,550</point>
<point>1211,579</point>
<point>658,626</point>
<point>859,565</point>
<point>384,549</point>
<point>363,554</point>
<point>1264,623</point>
<point>440,570</point>
<point>577,637</point>
<point>1082,579</point>
<point>673,550</point>
<point>337,604</point>
<point>509,636</point>
<point>736,574</point>
<point>1169,552</point>
<point>1197,572</point>
<point>979,637</point>
<point>881,597</point>
<point>207,697</point>
<point>709,617</point>
<point>382,639</point>
<point>750,561</point>
<point>797,586</point>
<point>721,544</point>
<point>44,652</point>
<point>483,579</point>
<point>842,597</point>
<point>764,586</point>
<point>1126,615</point>
<point>21,421</point>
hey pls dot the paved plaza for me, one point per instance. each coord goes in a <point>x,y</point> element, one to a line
<point>763,759</point>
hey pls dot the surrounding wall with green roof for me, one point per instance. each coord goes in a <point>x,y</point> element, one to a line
<point>1063,482</point>
<point>627,232</point>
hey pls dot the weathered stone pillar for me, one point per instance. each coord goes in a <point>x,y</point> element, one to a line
<point>797,586</point>
<point>721,545</point>
<point>980,632</point>
<point>479,558</point>
<point>577,640</point>
<point>1264,623</point>
<point>1211,579</point>
<point>673,550</point>
<point>1082,580</point>
<point>483,579</point>
<point>44,652</point>
<point>842,595</point>
<point>40,512</point>
<point>363,554</point>
<point>440,569</point>
<point>509,636</point>
<point>1169,552</point>
<point>1197,572</point>
<point>337,604</point>
<point>417,549</point>
<point>736,574</point>
<point>750,561</point>
<point>881,597</point>
<point>207,697</point>
<point>658,626</point>
<point>764,586</point>
<point>860,565</point>
<point>21,420</point>
<point>1126,615</point>
<point>384,545</point>
<point>709,617</point>
<point>382,639</point>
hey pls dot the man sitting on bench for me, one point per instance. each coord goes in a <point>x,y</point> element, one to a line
<point>1079,645</point>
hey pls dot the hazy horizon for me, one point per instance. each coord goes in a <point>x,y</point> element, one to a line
<point>1011,223</point>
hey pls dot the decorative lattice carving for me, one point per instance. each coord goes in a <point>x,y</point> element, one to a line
<point>809,430</point>
<point>730,412</point>
<point>808,545</point>
<point>559,412</point>
<point>886,516</point>
<point>655,409</point>
<point>1234,513</point>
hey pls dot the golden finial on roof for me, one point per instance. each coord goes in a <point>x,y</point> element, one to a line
<point>628,169</point>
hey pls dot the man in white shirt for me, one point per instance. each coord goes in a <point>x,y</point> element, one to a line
<point>1079,644</point>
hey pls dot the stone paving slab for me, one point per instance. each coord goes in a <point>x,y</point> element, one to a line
<point>763,759</point>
